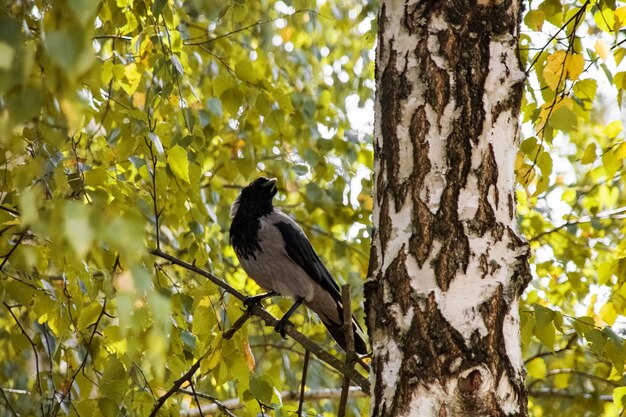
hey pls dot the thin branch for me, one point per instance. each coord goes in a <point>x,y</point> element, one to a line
<point>271,321</point>
<point>8,255</point>
<point>287,396</point>
<point>237,325</point>
<point>195,397</point>
<point>116,37</point>
<point>244,28</point>
<point>585,219</point>
<point>568,346</point>
<point>571,19</point>
<point>34,347</point>
<point>10,210</point>
<point>217,404</point>
<point>349,334</point>
<point>84,361</point>
<point>553,393</point>
<point>8,403</point>
<point>305,368</point>
<point>175,387</point>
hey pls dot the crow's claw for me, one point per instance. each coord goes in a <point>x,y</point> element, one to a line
<point>280,327</point>
<point>256,299</point>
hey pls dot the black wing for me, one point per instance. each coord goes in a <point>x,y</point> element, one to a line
<point>300,250</point>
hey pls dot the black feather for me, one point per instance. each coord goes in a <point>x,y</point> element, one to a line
<point>300,250</point>
<point>254,202</point>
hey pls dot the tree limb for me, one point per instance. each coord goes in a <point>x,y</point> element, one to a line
<point>271,321</point>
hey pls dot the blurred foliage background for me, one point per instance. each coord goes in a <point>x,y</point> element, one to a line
<point>131,125</point>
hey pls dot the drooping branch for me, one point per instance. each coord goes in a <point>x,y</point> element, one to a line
<point>271,321</point>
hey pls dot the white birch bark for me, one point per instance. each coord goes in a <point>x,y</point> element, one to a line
<point>447,264</point>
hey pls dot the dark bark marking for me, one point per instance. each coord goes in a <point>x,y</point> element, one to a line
<point>485,219</point>
<point>422,219</point>
<point>397,274</point>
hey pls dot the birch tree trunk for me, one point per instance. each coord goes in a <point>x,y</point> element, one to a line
<point>447,264</point>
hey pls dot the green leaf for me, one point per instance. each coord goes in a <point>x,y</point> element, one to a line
<point>177,65</point>
<point>77,228</point>
<point>611,163</point>
<point>157,7</point>
<point>563,119</point>
<point>70,50</point>
<point>544,328</point>
<point>232,100</point>
<point>534,19</point>
<point>113,383</point>
<point>586,89</point>
<point>245,71</point>
<point>608,313</point>
<point>589,156</point>
<point>6,52</point>
<point>84,10</point>
<point>178,162</point>
<point>89,315</point>
<point>261,389</point>
<point>529,146</point>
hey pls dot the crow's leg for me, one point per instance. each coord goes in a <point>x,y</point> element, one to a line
<point>250,301</point>
<point>280,326</point>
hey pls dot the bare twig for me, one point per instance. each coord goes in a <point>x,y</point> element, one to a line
<point>271,321</point>
<point>195,397</point>
<point>305,368</point>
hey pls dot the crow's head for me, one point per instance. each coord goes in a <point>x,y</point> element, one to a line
<point>256,197</point>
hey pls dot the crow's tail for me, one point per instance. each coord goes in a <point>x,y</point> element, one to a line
<point>337,331</point>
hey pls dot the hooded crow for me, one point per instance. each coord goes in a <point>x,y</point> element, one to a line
<point>277,255</point>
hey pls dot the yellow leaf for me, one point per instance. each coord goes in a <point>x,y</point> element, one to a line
<point>608,313</point>
<point>602,49</point>
<point>536,368</point>
<point>560,66</point>
<point>575,65</point>
<point>620,153</point>
<point>618,394</point>
<point>620,17</point>
<point>553,71</point>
